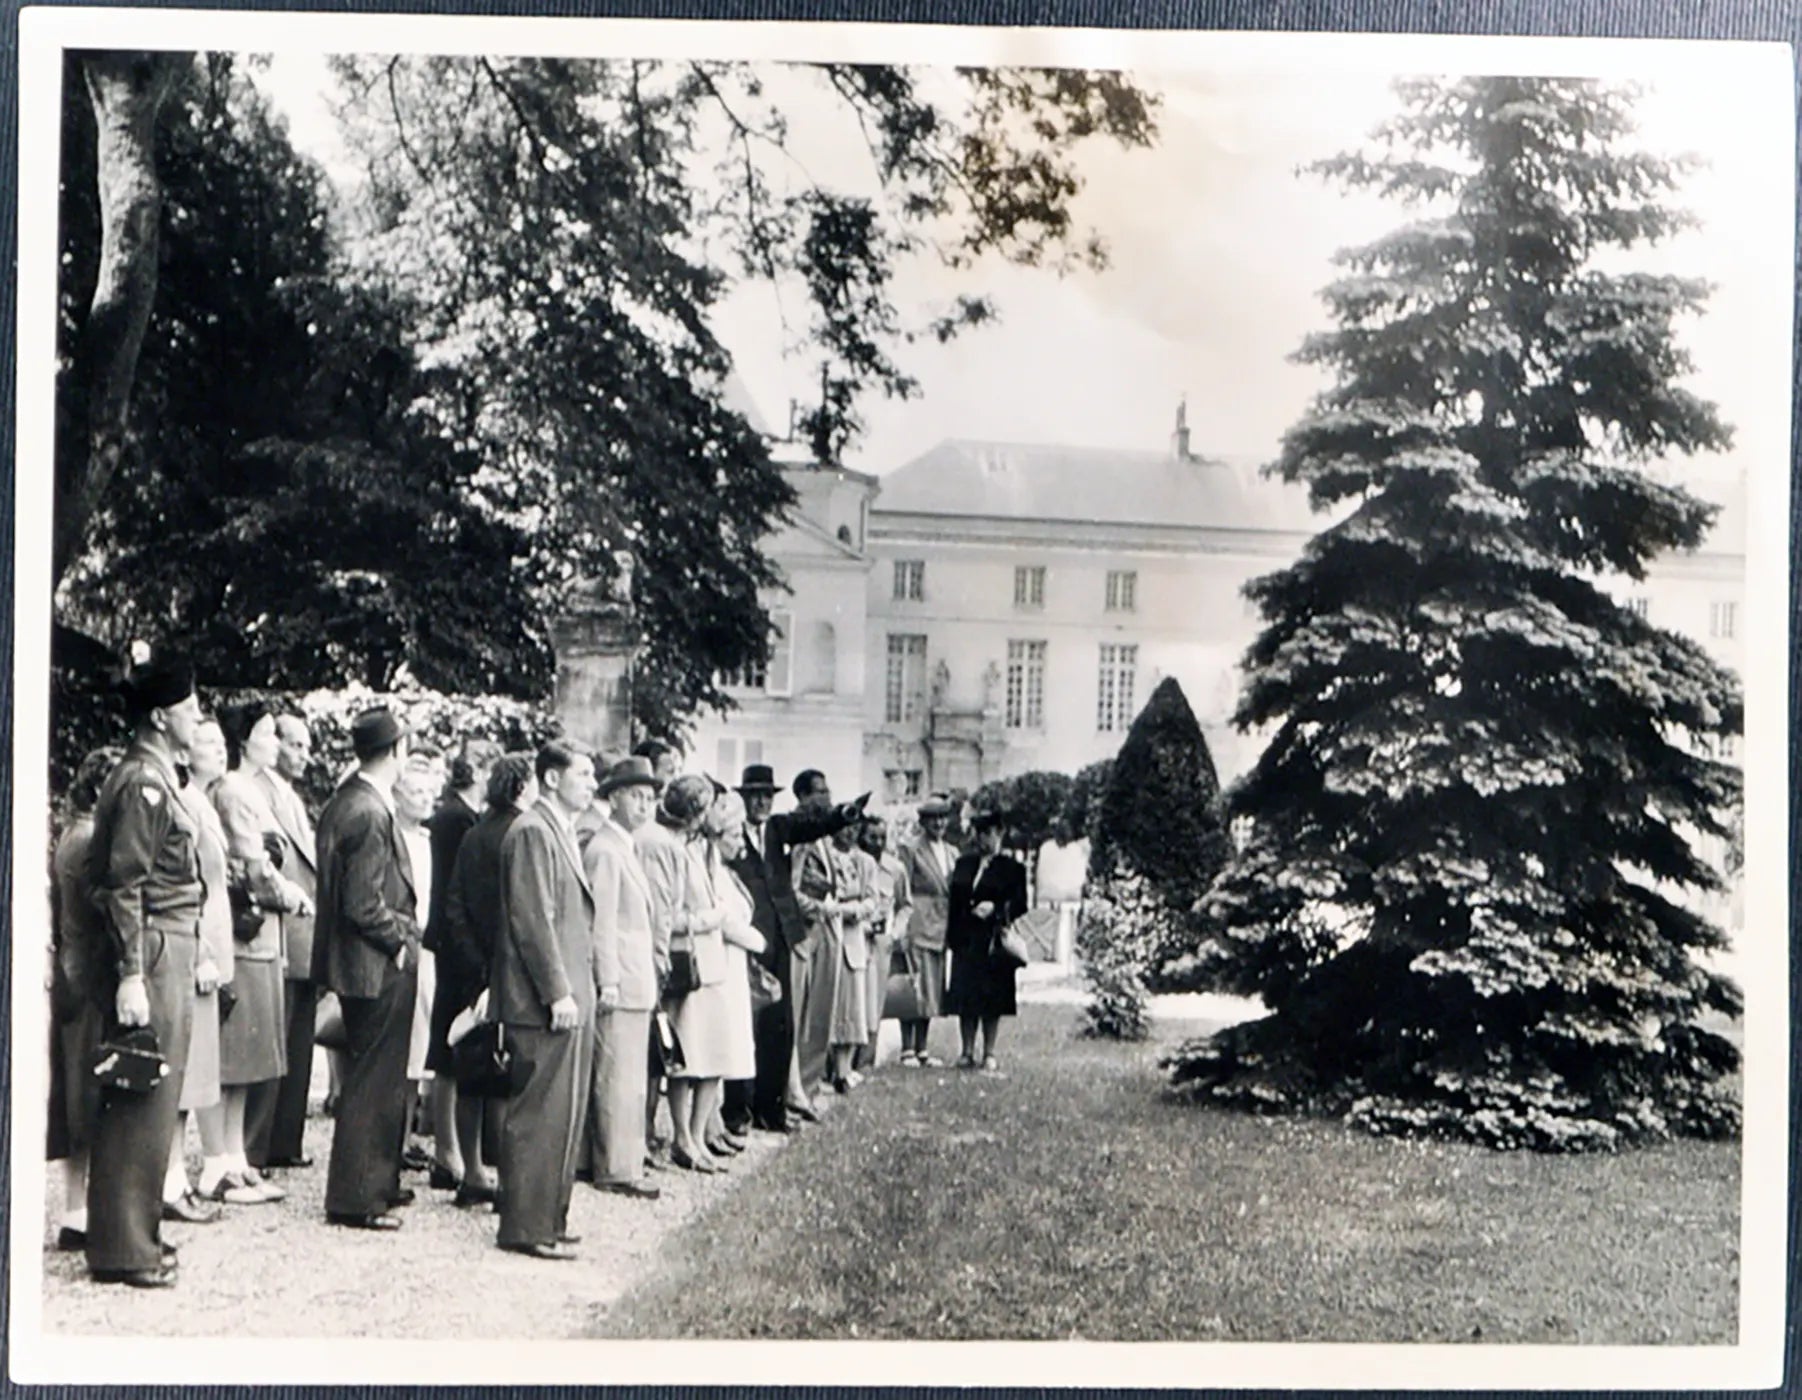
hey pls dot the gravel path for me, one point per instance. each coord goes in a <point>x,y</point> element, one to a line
<point>281,1271</point>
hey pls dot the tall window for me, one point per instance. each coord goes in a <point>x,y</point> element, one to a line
<point>1122,590</point>
<point>1114,695</point>
<point>1029,586</point>
<point>1025,685</point>
<point>1723,619</point>
<point>910,580</point>
<point>906,677</point>
<point>774,676</point>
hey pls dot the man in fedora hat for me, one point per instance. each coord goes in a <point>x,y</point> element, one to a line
<point>144,868</point>
<point>627,976</point>
<point>365,948</point>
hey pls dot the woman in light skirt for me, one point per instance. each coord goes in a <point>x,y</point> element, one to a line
<point>725,829</point>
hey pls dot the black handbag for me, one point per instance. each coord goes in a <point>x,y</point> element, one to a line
<point>484,1067</point>
<point>684,968</point>
<point>247,914</point>
<point>130,1061</point>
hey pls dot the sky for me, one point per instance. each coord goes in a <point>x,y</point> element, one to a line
<point>1218,248</point>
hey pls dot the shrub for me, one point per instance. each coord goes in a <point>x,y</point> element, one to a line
<point>1120,934</point>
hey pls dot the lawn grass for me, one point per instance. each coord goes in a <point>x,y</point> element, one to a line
<point>1070,1200</point>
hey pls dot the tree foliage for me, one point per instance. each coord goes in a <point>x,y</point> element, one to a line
<point>569,228</point>
<point>1033,804</point>
<point>1477,808</point>
<point>377,433</point>
<point>286,523</point>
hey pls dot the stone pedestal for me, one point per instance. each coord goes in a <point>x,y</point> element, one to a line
<point>596,641</point>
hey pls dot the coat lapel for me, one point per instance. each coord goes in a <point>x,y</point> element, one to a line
<point>566,843</point>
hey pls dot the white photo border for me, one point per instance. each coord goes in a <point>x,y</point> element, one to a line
<point>1763,77</point>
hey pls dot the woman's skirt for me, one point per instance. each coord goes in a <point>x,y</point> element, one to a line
<point>929,968</point>
<point>74,1092</point>
<point>875,980</point>
<point>741,1048</point>
<point>981,985</point>
<point>252,1043</point>
<point>200,1079</point>
<point>850,1003</point>
<point>704,1024</point>
<point>419,1042</point>
<point>449,1000</point>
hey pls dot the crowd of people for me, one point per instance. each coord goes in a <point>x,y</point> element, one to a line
<point>558,951</point>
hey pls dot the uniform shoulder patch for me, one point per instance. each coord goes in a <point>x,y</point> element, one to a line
<point>152,794</point>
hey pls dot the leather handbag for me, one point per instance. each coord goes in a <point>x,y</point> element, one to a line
<point>1011,945</point>
<point>247,914</point>
<point>901,991</point>
<point>766,987</point>
<point>130,1061</point>
<point>484,1065</point>
<point>684,967</point>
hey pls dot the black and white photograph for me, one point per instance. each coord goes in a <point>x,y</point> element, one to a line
<point>729,683</point>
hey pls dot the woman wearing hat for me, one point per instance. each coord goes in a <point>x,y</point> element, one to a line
<point>672,852</point>
<point>988,892</point>
<point>725,829</point>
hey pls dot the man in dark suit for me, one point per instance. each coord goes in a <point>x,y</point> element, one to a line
<point>144,869</point>
<point>779,1093</point>
<point>543,993</point>
<point>276,1111</point>
<point>366,949</point>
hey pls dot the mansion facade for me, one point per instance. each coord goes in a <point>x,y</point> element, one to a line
<point>991,608</point>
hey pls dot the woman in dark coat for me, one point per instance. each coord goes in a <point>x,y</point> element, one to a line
<point>466,933</point>
<point>456,815</point>
<point>988,892</point>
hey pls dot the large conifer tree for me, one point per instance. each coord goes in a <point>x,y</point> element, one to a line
<point>1485,779</point>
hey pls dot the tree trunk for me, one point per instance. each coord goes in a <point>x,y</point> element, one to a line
<point>127,91</point>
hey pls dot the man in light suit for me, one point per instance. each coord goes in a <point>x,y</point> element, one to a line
<point>627,976</point>
<point>543,994</point>
<point>927,862</point>
<point>366,949</point>
<point>276,1112</point>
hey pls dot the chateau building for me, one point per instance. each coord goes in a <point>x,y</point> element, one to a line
<point>991,608</point>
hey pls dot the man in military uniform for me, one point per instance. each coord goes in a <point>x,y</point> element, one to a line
<point>144,865</point>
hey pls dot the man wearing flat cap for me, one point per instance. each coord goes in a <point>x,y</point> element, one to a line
<point>928,861</point>
<point>366,949</point>
<point>144,867</point>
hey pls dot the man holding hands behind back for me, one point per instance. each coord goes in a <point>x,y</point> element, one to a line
<point>544,994</point>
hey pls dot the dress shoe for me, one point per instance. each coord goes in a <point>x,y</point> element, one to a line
<point>403,1197</point>
<point>69,1239</point>
<point>567,1238</point>
<point>190,1208</point>
<point>162,1276</point>
<point>841,1086</point>
<point>640,1190</point>
<point>704,1165</point>
<point>771,1125</point>
<point>541,1251</point>
<point>444,1179</point>
<point>804,1111</point>
<point>724,1147</point>
<point>235,1189</point>
<point>929,1061</point>
<point>416,1158</point>
<point>585,1174</point>
<point>290,1163</point>
<point>376,1221</point>
<point>468,1195</point>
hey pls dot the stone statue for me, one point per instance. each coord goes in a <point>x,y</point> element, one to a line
<point>941,683</point>
<point>991,684</point>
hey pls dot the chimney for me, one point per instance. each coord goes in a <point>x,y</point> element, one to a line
<point>1179,440</point>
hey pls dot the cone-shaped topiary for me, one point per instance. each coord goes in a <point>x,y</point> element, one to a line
<point>1485,775</point>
